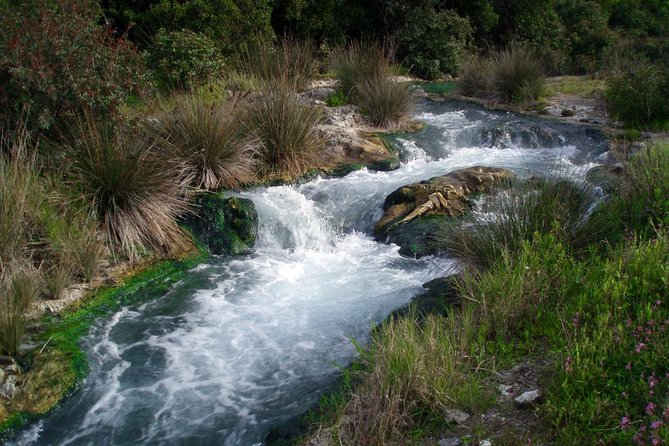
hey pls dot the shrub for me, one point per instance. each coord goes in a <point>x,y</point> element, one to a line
<point>230,24</point>
<point>291,62</point>
<point>639,95</point>
<point>18,289</point>
<point>287,128</point>
<point>553,205</point>
<point>385,101</point>
<point>358,62</point>
<point>135,191</point>
<point>183,59</point>
<point>56,61</point>
<point>513,74</point>
<point>210,139</point>
<point>432,43</point>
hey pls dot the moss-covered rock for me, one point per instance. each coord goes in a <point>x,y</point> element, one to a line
<point>226,226</point>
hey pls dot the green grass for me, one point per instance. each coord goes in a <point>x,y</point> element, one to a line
<point>582,86</point>
<point>523,209</point>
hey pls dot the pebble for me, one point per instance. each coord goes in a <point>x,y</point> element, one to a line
<point>485,443</point>
<point>527,398</point>
<point>8,389</point>
<point>505,390</point>
<point>453,441</point>
<point>456,416</point>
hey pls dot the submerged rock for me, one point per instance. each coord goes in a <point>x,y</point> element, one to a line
<point>226,226</point>
<point>416,212</point>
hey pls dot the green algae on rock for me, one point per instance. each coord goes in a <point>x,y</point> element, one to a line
<point>226,226</point>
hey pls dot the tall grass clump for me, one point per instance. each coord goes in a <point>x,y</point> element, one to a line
<point>413,372</point>
<point>476,74</point>
<point>365,73</point>
<point>135,190</point>
<point>287,128</point>
<point>646,189</point>
<point>515,215</point>
<point>513,74</point>
<point>210,139</point>
<point>20,195</point>
<point>291,62</point>
<point>359,62</point>
<point>385,101</point>
<point>19,286</point>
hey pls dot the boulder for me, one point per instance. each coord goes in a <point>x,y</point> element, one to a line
<point>349,147</point>
<point>226,226</point>
<point>439,296</point>
<point>415,213</point>
<point>607,176</point>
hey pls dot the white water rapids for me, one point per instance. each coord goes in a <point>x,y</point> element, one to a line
<point>245,344</point>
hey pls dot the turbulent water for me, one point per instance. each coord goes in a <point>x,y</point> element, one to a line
<point>242,345</point>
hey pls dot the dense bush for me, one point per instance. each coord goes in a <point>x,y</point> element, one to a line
<point>286,127</point>
<point>639,94</point>
<point>133,187</point>
<point>210,139</point>
<point>184,59</point>
<point>231,24</point>
<point>56,60</point>
<point>431,43</point>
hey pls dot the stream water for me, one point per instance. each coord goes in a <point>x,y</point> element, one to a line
<point>242,345</point>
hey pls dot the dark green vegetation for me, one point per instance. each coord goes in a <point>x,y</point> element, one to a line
<point>597,316</point>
